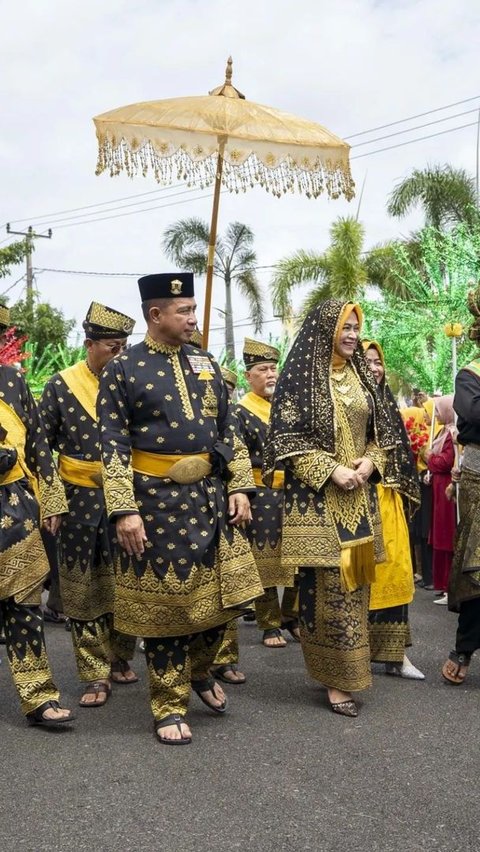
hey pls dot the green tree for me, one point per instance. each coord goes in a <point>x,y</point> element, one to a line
<point>42,323</point>
<point>11,255</point>
<point>446,195</point>
<point>411,330</point>
<point>342,271</point>
<point>186,243</point>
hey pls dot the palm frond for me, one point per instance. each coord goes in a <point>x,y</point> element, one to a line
<point>183,236</point>
<point>291,272</point>
<point>320,294</point>
<point>446,194</point>
<point>347,274</point>
<point>249,287</point>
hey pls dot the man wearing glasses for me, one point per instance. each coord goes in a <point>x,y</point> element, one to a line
<point>68,408</point>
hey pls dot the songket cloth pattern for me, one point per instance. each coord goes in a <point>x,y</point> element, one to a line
<point>87,542</point>
<point>322,417</point>
<point>29,492</point>
<point>197,571</point>
<point>265,530</point>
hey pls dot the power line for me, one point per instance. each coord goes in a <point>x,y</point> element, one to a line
<point>14,284</point>
<point>133,212</point>
<point>98,204</point>
<point>412,117</point>
<point>49,216</point>
<point>416,127</point>
<point>120,207</point>
<point>93,273</point>
<point>411,141</point>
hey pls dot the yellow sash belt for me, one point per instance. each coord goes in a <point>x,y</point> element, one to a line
<point>184,469</point>
<point>278,478</point>
<point>12,475</point>
<point>80,472</point>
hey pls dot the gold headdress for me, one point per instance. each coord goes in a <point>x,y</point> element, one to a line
<point>256,352</point>
<point>102,322</point>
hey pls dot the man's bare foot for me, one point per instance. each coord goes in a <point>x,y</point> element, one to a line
<point>96,693</point>
<point>122,673</point>
<point>273,638</point>
<point>228,674</point>
<point>211,693</point>
<point>60,714</point>
<point>173,730</point>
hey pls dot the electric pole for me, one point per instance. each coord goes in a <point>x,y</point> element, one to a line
<point>30,235</point>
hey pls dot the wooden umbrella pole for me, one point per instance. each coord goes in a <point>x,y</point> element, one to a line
<point>211,245</point>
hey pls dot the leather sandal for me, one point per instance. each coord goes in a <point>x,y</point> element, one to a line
<point>274,633</point>
<point>100,690</point>
<point>172,719</point>
<point>122,667</point>
<point>208,685</point>
<point>291,626</point>
<point>454,670</point>
<point>36,717</point>
<point>220,673</point>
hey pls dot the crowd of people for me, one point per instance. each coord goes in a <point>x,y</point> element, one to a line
<point>178,509</point>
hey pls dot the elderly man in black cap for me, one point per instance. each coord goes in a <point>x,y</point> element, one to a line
<point>177,479</point>
<point>68,409</point>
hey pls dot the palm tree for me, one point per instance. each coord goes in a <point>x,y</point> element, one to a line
<point>186,243</point>
<point>447,196</point>
<point>340,272</point>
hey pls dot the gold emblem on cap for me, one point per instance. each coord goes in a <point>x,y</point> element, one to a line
<point>176,287</point>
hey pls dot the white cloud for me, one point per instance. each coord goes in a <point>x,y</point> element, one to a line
<point>349,65</point>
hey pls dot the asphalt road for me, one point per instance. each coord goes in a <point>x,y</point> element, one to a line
<point>279,772</point>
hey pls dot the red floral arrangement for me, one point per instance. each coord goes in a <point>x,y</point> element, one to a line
<point>11,350</point>
<point>418,435</point>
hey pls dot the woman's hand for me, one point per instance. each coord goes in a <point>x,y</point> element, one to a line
<point>364,468</point>
<point>346,478</point>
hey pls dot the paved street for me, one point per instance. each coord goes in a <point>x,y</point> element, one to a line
<point>280,772</point>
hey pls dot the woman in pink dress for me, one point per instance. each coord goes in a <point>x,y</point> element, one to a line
<point>440,460</point>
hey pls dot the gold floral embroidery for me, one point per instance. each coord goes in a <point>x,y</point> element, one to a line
<point>118,486</point>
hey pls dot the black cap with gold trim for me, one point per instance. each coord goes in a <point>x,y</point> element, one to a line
<point>229,377</point>
<point>255,352</point>
<point>102,322</point>
<point>166,285</point>
<point>4,317</point>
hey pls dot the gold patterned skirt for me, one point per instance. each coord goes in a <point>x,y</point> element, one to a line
<point>86,570</point>
<point>334,630</point>
<point>265,536</point>
<point>23,561</point>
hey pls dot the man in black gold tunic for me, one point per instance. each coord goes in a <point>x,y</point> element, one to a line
<point>176,478</point>
<point>265,531</point>
<point>68,409</point>
<point>31,494</point>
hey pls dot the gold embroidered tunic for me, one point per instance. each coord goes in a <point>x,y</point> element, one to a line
<point>68,411</point>
<point>265,531</point>
<point>320,518</point>
<point>172,401</point>
<point>30,489</point>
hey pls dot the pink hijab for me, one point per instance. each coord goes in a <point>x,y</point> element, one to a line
<point>444,410</point>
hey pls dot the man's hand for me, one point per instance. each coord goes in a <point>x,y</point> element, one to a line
<point>239,511</point>
<point>131,534</point>
<point>364,468</point>
<point>346,478</point>
<point>52,524</point>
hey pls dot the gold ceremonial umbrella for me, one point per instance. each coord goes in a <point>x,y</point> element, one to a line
<point>224,139</point>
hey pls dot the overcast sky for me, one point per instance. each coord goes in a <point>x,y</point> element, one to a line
<point>351,65</point>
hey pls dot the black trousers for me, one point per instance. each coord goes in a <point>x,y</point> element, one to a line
<point>468,629</point>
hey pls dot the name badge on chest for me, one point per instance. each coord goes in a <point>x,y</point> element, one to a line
<point>202,366</point>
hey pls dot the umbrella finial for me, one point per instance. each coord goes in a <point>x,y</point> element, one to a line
<point>227,90</point>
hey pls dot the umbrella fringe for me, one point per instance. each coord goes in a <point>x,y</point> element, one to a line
<point>306,176</point>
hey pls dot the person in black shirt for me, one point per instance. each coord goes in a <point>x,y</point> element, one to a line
<point>464,584</point>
